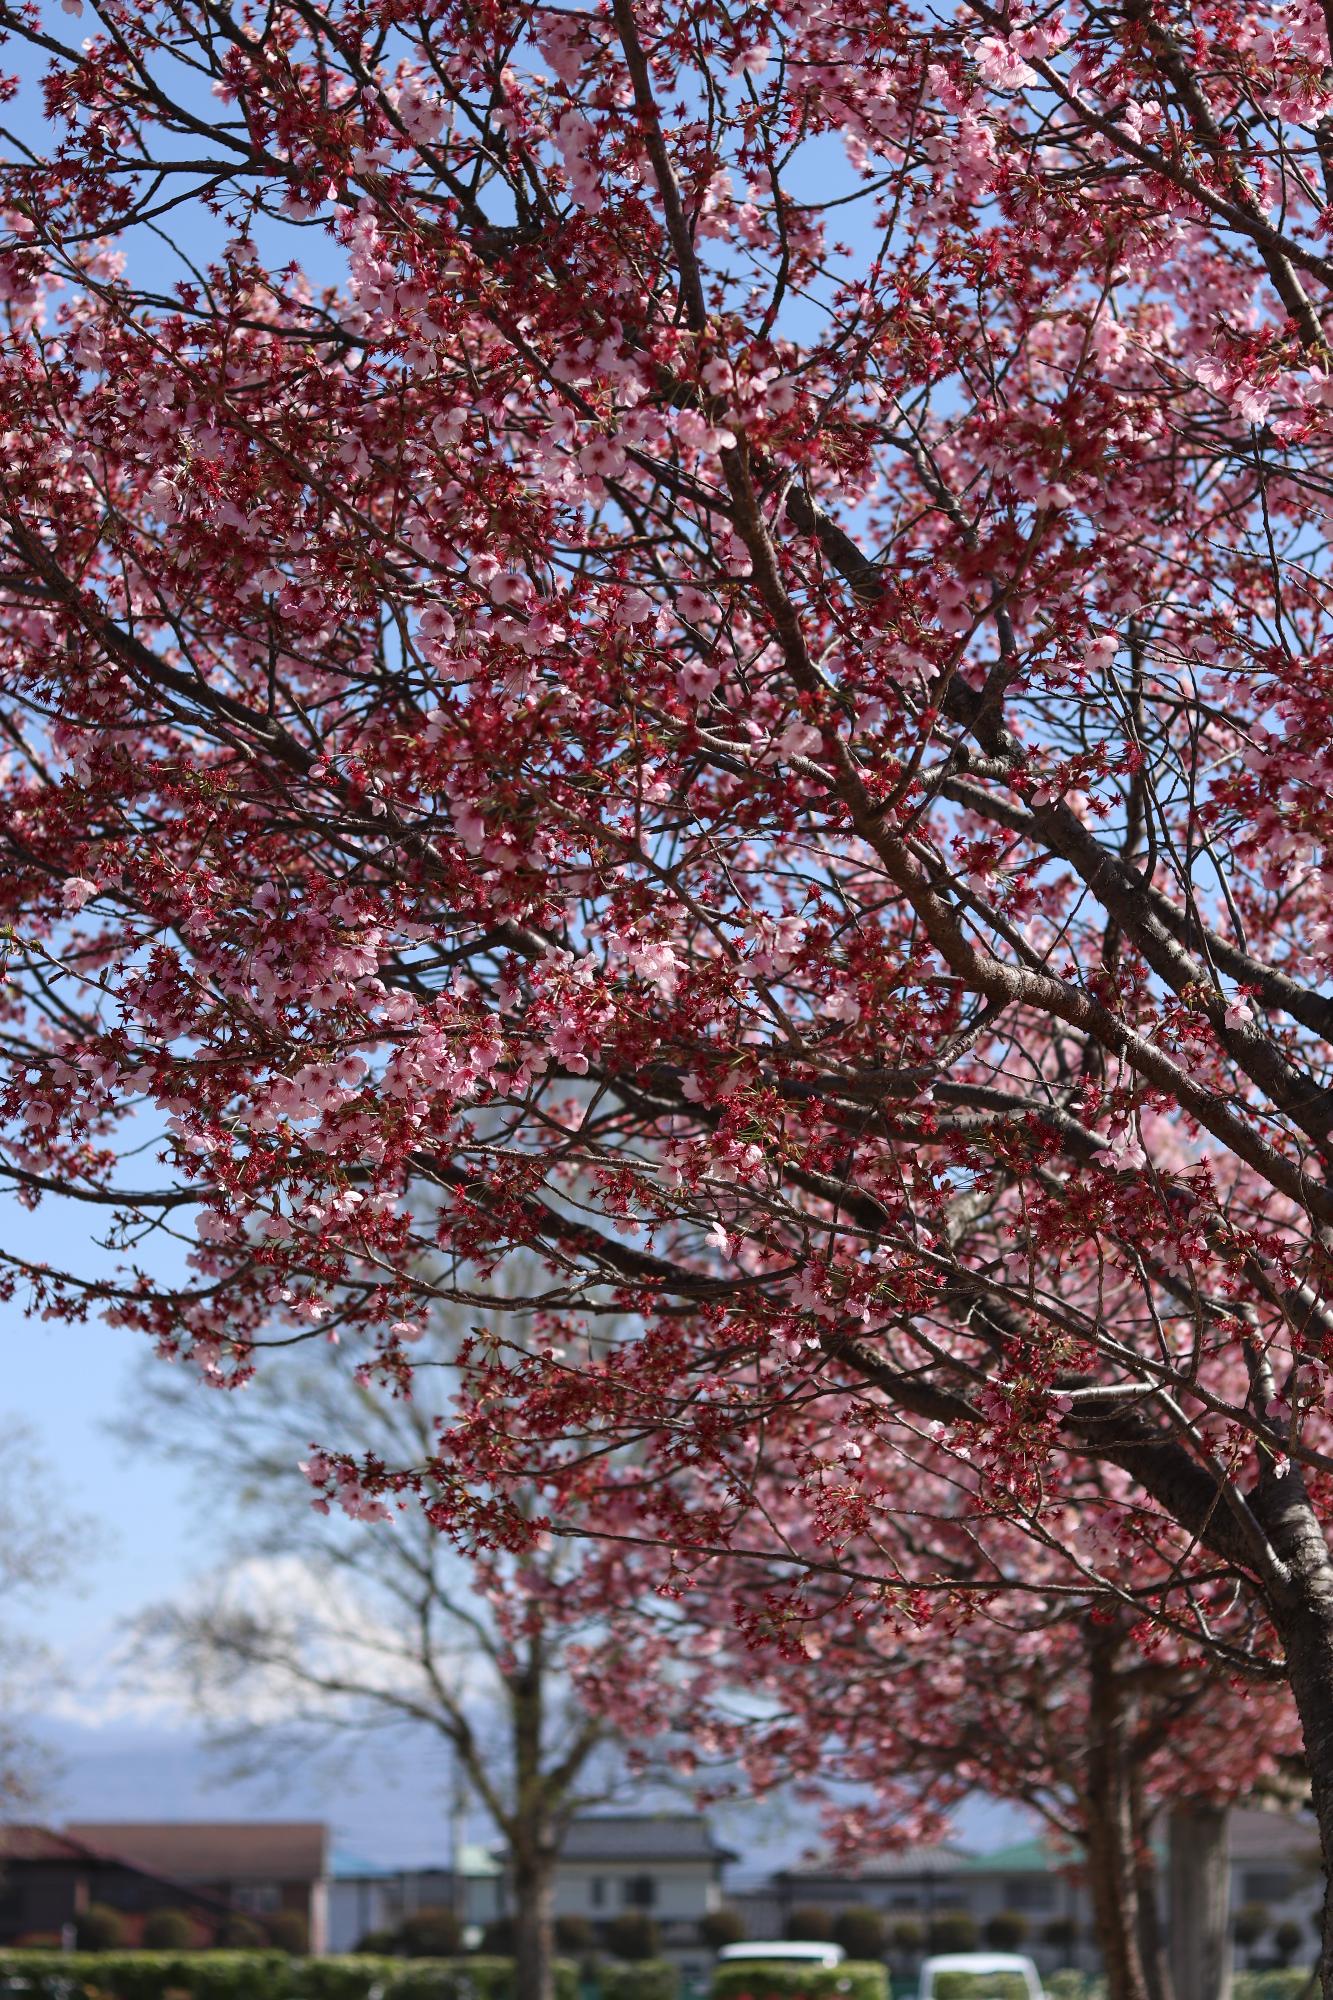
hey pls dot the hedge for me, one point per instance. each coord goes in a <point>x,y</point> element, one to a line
<point>648,1979</point>
<point>266,1975</point>
<point>149,1975</point>
<point>477,1978</point>
<point>758,1979</point>
<point>1286,1982</point>
<point>979,1986</point>
<point>348,1978</point>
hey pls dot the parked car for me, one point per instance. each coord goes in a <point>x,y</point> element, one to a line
<point>785,1953</point>
<point>979,1975</point>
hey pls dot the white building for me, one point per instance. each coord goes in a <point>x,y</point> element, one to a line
<point>364,1898</point>
<point>1275,1867</point>
<point>667,1866</point>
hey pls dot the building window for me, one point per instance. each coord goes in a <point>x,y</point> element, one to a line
<point>1030,1892</point>
<point>257,1899</point>
<point>597,1892</point>
<point>1266,1887</point>
<point>640,1892</point>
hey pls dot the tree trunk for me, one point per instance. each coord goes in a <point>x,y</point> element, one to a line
<point>1301,1605</point>
<point>534,1926</point>
<point>1198,1875</point>
<point>1108,1784</point>
<point>1152,1944</point>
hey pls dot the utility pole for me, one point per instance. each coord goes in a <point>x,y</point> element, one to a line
<point>457,1830</point>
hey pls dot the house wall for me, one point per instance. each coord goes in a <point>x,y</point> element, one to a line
<point>670,1891</point>
<point>360,1903</point>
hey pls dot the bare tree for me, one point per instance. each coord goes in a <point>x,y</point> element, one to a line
<point>38,1544</point>
<point>321,1629</point>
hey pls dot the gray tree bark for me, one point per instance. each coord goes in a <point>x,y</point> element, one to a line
<point>1199,1893</point>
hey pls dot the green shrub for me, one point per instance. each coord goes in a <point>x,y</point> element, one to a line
<point>1007,1930</point>
<point>1287,1940</point>
<point>237,1932</point>
<point>757,1980</point>
<point>860,1931</point>
<point>1289,1984</point>
<point>262,1975</point>
<point>575,1934</point>
<point>908,1936</point>
<point>349,1978</point>
<point>719,1927</point>
<point>149,1975</point>
<point>979,1986</point>
<point>808,1924</point>
<point>289,1931</point>
<point>99,1928</point>
<point>478,1978</point>
<point>1070,1984</point>
<point>650,1979</point>
<point>952,1930</point>
<point>633,1935</point>
<point>431,1933</point>
<point>167,1930</point>
<point>1251,1922</point>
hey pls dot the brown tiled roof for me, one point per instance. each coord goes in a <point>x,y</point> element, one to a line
<point>38,1843</point>
<point>212,1850</point>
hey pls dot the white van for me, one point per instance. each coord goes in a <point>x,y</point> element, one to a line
<point>811,1953</point>
<point>979,1975</point>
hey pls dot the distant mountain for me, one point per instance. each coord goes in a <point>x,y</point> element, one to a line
<point>386,1802</point>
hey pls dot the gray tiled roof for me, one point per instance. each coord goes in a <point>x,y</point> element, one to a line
<point>902,1861</point>
<point>631,1837</point>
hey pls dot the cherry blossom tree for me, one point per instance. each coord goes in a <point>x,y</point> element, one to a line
<point>1019,1682</point>
<point>693,640</point>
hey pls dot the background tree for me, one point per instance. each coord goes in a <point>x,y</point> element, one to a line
<point>319,1629</point>
<point>1023,1681</point>
<point>41,1545</point>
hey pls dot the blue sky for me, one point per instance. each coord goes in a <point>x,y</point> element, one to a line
<point>66,1383</point>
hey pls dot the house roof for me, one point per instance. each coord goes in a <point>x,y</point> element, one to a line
<point>631,1837</point>
<point>1024,1857</point>
<point>899,1862</point>
<point>344,1867</point>
<point>45,1844</point>
<point>212,1850</point>
<point>1256,1835</point>
<point>40,1843</point>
